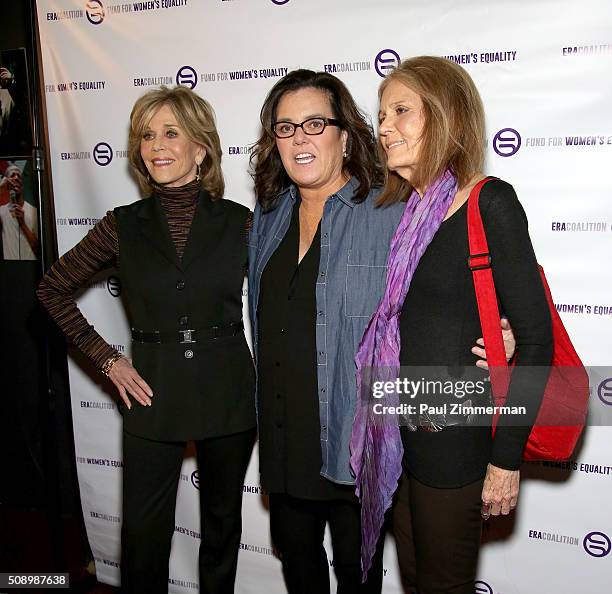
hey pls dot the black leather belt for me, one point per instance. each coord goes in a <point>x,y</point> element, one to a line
<point>187,336</point>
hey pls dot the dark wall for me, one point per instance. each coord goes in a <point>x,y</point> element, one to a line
<point>20,340</point>
<point>36,442</point>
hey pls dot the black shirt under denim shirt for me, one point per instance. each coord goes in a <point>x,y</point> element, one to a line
<point>289,425</point>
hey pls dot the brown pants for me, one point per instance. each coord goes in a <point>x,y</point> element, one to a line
<point>437,534</point>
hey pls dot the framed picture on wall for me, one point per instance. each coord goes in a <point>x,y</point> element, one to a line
<point>18,211</point>
<point>15,122</point>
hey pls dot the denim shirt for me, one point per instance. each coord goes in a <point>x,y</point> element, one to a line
<point>355,241</point>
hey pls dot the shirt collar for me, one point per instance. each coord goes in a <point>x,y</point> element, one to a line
<point>346,192</point>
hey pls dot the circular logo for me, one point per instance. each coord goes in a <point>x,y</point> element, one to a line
<point>507,142</point>
<point>604,391</point>
<point>113,285</point>
<point>103,153</point>
<point>95,12</point>
<point>280,2</point>
<point>385,61</point>
<point>482,588</point>
<point>597,544</point>
<point>187,77</point>
<point>195,479</point>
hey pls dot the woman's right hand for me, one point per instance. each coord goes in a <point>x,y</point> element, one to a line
<point>5,77</point>
<point>127,380</point>
<point>509,345</point>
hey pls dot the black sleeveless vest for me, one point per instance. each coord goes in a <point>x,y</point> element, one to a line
<point>202,389</point>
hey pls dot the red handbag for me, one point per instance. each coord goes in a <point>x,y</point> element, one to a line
<point>562,414</point>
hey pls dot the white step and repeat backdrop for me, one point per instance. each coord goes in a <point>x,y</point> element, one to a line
<point>545,73</point>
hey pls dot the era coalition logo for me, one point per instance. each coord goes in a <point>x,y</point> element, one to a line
<point>385,61</point>
<point>103,154</point>
<point>195,479</point>
<point>94,9</point>
<point>187,77</point>
<point>604,391</point>
<point>507,142</point>
<point>597,544</point>
<point>113,285</point>
<point>482,588</point>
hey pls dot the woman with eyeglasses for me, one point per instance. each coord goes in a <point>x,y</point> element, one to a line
<point>317,255</point>
<point>314,168</point>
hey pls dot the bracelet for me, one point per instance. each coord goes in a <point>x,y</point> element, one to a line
<point>108,364</point>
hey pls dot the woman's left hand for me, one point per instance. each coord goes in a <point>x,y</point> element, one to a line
<point>509,345</point>
<point>500,491</point>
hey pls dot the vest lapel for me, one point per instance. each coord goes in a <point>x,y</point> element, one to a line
<point>154,226</point>
<point>205,229</point>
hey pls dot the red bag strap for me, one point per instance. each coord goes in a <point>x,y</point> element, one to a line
<point>479,262</point>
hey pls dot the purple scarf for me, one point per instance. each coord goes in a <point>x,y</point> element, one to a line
<point>376,446</point>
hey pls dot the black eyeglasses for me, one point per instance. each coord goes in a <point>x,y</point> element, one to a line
<point>312,127</point>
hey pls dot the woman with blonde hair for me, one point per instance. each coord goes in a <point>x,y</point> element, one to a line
<point>431,132</point>
<point>181,254</point>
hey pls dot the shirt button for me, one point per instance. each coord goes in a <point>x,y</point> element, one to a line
<point>279,396</point>
<point>180,285</point>
<point>279,425</point>
<point>188,354</point>
<point>322,275</point>
<point>282,330</point>
<point>183,320</point>
<point>321,313</point>
<point>277,363</point>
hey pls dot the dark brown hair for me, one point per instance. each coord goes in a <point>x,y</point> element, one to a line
<point>454,128</point>
<point>362,162</point>
<point>196,117</point>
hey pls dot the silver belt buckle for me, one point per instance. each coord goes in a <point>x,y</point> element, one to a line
<point>188,337</point>
<point>430,427</point>
<point>426,423</point>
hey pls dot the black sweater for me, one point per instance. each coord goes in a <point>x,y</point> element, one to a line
<point>439,325</point>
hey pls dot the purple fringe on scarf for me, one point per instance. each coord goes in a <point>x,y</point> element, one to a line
<point>376,446</point>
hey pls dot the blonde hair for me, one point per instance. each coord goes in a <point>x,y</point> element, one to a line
<point>454,129</point>
<point>196,117</point>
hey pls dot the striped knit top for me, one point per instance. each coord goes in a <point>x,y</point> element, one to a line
<point>99,250</point>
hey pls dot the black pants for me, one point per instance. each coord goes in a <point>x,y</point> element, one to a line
<point>298,527</point>
<point>151,471</point>
<point>437,534</point>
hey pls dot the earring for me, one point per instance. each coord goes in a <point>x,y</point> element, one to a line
<point>345,154</point>
<point>198,172</point>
